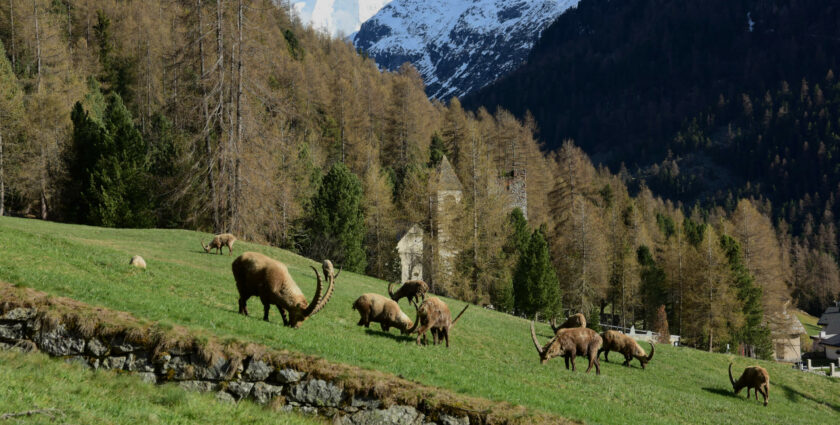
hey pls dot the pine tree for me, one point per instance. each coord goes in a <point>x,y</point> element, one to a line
<point>652,278</point>
<point>11,115</point>
<point>336,226</point>
<point>535,284</point>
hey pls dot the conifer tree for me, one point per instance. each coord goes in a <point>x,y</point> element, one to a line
<point>535,284</point>
<point>337,227</point>
<point>754,333</point>
<point>11,114</point>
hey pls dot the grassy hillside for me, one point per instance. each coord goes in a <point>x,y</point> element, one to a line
<point>491,354</point>
<point>809,322</point>
<point>34,381</point>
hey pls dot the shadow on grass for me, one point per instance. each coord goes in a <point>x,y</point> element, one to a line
<point>721,391</point>
<point>796,396</point>
<point>383,334</point>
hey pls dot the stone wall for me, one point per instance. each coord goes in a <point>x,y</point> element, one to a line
<point>231,378</point>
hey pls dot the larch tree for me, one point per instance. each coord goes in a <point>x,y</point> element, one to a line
<point>11,118</point>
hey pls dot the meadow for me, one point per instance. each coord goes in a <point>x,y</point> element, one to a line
<point>491,354</point>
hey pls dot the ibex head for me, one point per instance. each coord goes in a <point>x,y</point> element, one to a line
<point>307,310</point>
<point>549,350</point>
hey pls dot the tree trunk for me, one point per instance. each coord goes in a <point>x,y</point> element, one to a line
<point>236,172</point>
<point>2,181</point>
<point>43,184</point>
<point>12,24</point>
<point>211,182</point>
<point>38,45</point>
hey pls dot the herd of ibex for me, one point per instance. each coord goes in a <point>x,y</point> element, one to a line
<point>269,279</point>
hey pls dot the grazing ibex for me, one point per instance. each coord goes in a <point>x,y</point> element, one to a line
<point>414,290</point>
<point>570,343</point>
<point>219,241</point>
<point>755,378</point>
<point>269,279</point>
<point>627,346</point>
<point>434,314</point>
<point>386,312</point>
<point>574,321</point>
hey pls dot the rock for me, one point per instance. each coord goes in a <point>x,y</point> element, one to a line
<point>224,397</point>
<point>452,420</point>
<point>59,342</point>
<point>109,363</point>
<point>317,392</point>
<point>79,360</point>
<point>148,377</point>
<point>11,332</point>
<point>240,389</point>
<point>264,393</point>
<point>96,348</point>
<point>218,371</point>
<point>200,386</point>
<point>20,314</point>
<point>258,370</point>
<point>139,362</point>
<point>120,346</point>
<point>309,410</point>
<point>137,261</point>
<point>288,376</point>
<point>365,403</point>
<point>179,369</point>
<point>395,415</point>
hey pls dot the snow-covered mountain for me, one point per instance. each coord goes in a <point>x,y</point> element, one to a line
<point>337,17</point>
<point>457,45</point>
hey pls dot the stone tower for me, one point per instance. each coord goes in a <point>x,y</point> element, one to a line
<point>446,196</point>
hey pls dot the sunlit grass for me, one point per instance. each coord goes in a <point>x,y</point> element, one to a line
<point>491,354</point>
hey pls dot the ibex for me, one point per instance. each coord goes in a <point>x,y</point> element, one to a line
<point>386,312</point>
<point>627,346</point>
<point>570,343</point>
<point>574,321</point>
<point>414,290</point>
<point>434,314</point>
<point>755,378</point>
<point>269,279</point>
<point>225,239</point>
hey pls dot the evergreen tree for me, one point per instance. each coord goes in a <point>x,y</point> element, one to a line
<point>11,114</point>
<point>336,226</point>
<point>109,162</point>
<point>535,284</point>
<point>652,278</point>
<point>436,150</point>
<point>502,295</point>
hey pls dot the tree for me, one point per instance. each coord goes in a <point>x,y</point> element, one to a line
<point>11,115</point>
<point>535,284</point>
<point>660,326</point>
<point>380,243</point>
<point>337,226</point>
<point>652,278</point>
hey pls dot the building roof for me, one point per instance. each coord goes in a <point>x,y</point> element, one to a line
<point>445,177</point>
<point>830,320</point>
<point>783,324</point>
<point>833,341</point>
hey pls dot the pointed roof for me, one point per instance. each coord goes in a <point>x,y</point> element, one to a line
<point>446,177</point>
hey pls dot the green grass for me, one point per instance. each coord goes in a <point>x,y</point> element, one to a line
<point>809,322</point>
<point>491,354</point>
<point>80,396</point>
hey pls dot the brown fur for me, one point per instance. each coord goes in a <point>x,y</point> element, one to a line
<point>219,241</point>
<point>574,321</point>
<point>382,310</point>
<point>414,290</point>
<point>627,346</point>
<point>434,314</point>
<point>269,279</point>
<point>754,378</point>
<point>570,343</point>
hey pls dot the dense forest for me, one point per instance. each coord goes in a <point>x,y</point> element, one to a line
<point>231,116</point>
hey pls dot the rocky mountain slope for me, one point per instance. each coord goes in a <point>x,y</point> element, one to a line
<point>338,18</point>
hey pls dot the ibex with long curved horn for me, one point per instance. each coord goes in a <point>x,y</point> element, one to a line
<point>386,312</point>
<point>570,343</point>
<point>627,346</point>
<point>755,378</point>
<point>434,314</point>
<point>414,290</point>
<point>574,321</point>
<point>224,239</point>
<point>269,279</point>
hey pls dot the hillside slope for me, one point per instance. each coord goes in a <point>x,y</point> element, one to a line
<point>491,354</point>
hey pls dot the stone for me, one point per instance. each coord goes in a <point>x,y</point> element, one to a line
<point>137,261</point>
<point>264,393</point>
<point>139,362</point>
<point>452,420</point>
<point>218,371</point>
<point>394,415</point>
<point>11,331</point>
<point>59,342</point>
<point>147,377</point>
<point>240,389</point>
<point>317,392</point>
<point>120,346</point>
<point>365,403</point>
<point>200,386</point>
<point>224,397</point>
<point>288,376</point>
<point>178,368</point>
<point>109,363</point>
<point>258,370</point>
<point>96,348</point>
<point>79,360</point>
<point>20,314</point>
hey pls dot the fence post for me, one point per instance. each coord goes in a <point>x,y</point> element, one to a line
<point>809,364</point>
<point>831,372</point>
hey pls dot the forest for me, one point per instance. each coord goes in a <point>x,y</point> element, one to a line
<point>231,116</point>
